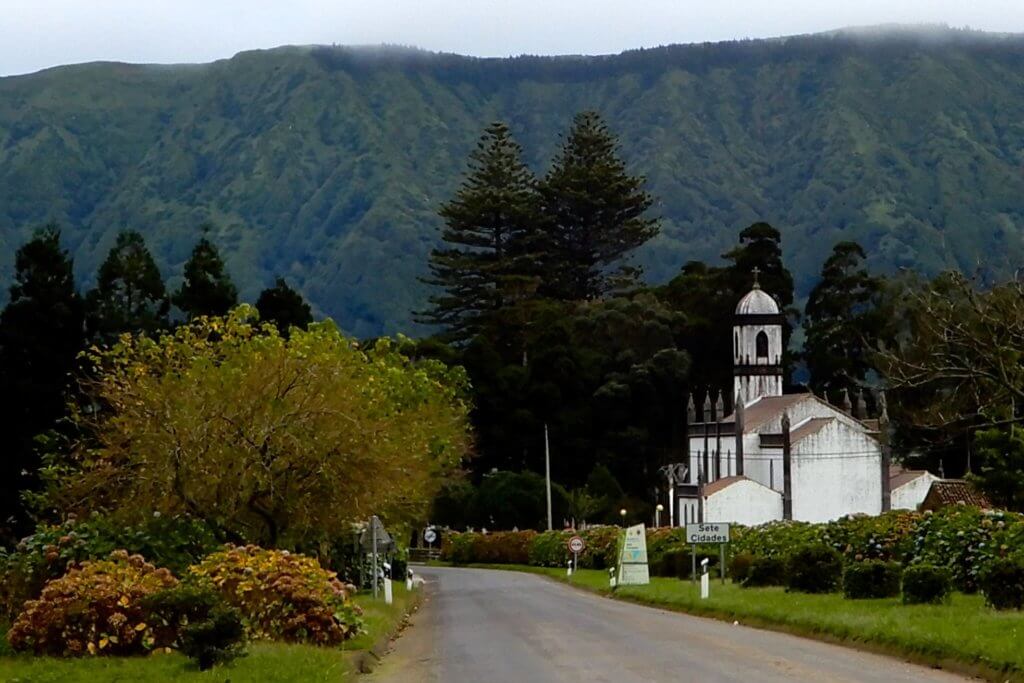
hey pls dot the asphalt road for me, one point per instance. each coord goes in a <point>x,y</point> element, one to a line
<point>497,627</point>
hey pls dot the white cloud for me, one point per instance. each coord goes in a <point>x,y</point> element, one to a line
<point>35,34</point>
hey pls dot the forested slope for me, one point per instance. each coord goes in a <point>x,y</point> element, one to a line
<point>326,165</point>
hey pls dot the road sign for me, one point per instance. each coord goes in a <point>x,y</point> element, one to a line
<point>633,558</point>
<point>576,545</point>
<point>429,535</point>
<point>712,532</point>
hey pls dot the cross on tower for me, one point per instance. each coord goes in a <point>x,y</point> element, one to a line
<point>756,271</point>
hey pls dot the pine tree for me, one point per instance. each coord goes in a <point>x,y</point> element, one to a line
<point>486,265</point>
<point>760,247</point>
<point>207,289</point>
<point>284,307</point>
<point>593,213</point>
<point>41,334</point>
<point>842,321</point>
<point>129,294</point>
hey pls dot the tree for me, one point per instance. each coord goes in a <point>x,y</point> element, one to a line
<point>842,322</point>
<point>284,307</point>
<point>41,335</point>
<point>594,214</point>
<point>1000,471</point>
<point>270,440</point>
<point>486,265</point>
<point>129,294</point>
<point>207,289</point>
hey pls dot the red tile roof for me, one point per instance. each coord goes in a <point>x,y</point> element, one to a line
<point>946,492</point>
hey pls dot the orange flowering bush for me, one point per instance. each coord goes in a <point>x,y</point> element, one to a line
<point>282,595</point>
<point>95,609</point>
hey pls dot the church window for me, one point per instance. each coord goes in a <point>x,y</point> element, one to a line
<point>736,345</point>
<point>762,345</point>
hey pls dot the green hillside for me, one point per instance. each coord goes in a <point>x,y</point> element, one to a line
<point>326,165</point>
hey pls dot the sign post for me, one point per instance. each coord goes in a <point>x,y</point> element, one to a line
<point>576,546</point>
<point>429,535</point>
<point>706,534</point>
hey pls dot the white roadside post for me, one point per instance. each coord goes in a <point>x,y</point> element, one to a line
<point>408,579</point>
<point>386,576</point>
<point>705,580</point>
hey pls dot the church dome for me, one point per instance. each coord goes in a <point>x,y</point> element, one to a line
<point>757,302</point>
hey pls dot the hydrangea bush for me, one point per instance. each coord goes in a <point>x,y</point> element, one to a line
<point>97,608</point>
<point>281,595</point>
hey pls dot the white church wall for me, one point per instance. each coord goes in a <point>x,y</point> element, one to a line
<point>911,494</point>
<point>836,472</point>
<point>743,502</point>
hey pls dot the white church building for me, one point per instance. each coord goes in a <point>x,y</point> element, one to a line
<point>777,456</point>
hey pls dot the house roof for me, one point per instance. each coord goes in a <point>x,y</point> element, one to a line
<point>765,408</point>
<point>945,492</point>
<point>725,482</point>
<point>898,476</point>
<point>809,428</point>
<point>722,483</point>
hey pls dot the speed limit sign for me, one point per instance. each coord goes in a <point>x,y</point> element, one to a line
<point>576,545</point>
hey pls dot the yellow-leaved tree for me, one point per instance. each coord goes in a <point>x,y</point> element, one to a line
<point>271,440</point>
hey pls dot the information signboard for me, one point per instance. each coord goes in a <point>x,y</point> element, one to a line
<point>710,532</point>
<point>633,569</point>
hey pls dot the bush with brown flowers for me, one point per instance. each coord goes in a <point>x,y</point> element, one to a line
<point>95,609</point>
<point>281,595</point>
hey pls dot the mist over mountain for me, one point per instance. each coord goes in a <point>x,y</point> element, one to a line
<point>326,165</point>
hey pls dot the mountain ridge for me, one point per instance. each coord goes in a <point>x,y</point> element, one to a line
<point>326,164</point>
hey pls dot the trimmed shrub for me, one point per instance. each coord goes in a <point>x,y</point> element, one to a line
<point>198,622</point>
<point>871,579</point>
<point>96,609</point>
<point>739,567</point>
<point>1002,582</point>
<point>814,569</point>
<point>173,542</point>
<point>549,549</point>
<point>926,583</point>
<point>673,564</point>
<point>457,548</point>
<point>502,547</point>
<point>282,596</point>
<point>217,639</point>
<point>602,547</point>
<point>765,571</point>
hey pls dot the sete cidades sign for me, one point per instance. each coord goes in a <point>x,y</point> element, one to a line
<point>710,532</point>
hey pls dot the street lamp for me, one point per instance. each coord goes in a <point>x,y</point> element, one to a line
<point>657,514</point>
<point>622,513</point>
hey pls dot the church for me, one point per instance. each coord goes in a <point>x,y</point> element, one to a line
<point>777,456</point>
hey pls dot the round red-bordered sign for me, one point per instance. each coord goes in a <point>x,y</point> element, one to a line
<point>576,544</point>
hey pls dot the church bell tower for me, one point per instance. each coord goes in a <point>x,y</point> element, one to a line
<point>757,346</point>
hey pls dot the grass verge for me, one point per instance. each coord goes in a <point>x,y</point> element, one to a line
<point>963,636</point>
<point>264,663</point>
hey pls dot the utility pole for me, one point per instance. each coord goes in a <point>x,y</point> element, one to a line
<point>547,472</point>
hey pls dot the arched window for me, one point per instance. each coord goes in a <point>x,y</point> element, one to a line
<point>762,345</point>
<point>736,345</point>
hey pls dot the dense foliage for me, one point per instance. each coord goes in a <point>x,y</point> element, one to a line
<point>814,569</point>
<point>926,583</point>
<point>281,595</point>
<point>254,433</point>
<point>172,542</point>
<point>872,579</point>
<point>1002,582</point>
<point>909,147</point>
<point>95,609</point>
<point>196,620</point>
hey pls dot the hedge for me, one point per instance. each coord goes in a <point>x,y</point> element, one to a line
<point>872,579</point>
<point>962,539</point>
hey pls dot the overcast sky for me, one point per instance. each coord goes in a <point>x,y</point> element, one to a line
<point>36,34</point>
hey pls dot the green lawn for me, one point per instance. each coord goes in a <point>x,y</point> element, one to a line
<point>963,635</point>
<point>265,662</point>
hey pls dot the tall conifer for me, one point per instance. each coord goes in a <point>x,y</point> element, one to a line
<point>486,265</point>
<point>129,294</point>
<point>284,307</point>
<point>842,321</point>
<point>207,289</point>
<point>41,333</point>
<point>594,213</point>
